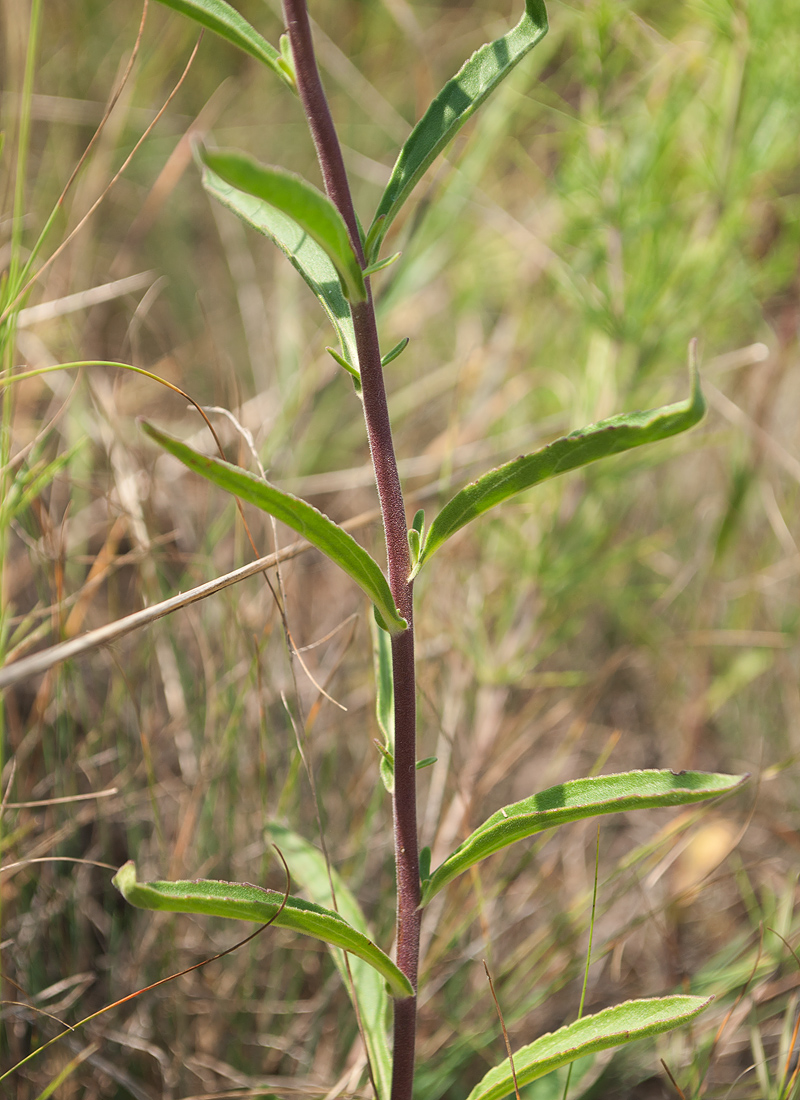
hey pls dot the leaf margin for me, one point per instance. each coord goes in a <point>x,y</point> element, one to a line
<point>518,41</point>
<point>260,905</point>
<point>519,820</point>
<point>613,435</point>
<point>499,1082</point>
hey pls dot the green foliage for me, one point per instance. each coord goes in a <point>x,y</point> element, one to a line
<point>453,106</point>
<point>303,252</point>
<point>574,801</point>
<point>384,702</point>
<point>316,217</point>
<point>297,514</point>
<point>608,437</point>
<point>32,478</point>
<point>308,208</point>
<point>610,1028</point>
<point>668,208</point>
<point>239,901</point>
<point>224,20</point>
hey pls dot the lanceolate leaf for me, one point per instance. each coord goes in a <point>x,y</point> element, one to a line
<point>225,21</point>
<point>607,437</point>
<point>241,901</point>
<point>307,866</point>
<point>610,1028</point>
<point>302,517</point>
<point>295,197</point>
<point>301,250</point>
<point>452,107</point>
<point>572,801</point>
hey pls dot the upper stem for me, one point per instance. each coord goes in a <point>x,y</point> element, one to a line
<point>320,120</point>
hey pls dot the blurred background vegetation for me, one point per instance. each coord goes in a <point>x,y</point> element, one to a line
<point>635,183</point>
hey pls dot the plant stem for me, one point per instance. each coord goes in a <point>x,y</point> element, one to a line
<point>379,433</point>
<point>320,120</point>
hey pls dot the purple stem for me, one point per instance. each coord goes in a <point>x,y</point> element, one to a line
<point>379,432</point>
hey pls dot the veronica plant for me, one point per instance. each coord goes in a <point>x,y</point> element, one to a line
<point>322,236</point>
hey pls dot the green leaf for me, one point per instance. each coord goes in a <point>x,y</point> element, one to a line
<point>370,247</point>
<point>287,57</point>
<point>452,107</point>
<point>301,250</point>
<point>295,197</point>
<point>612,1027</point>
<point>242,901</point>
<point>340,359</point>
<point>573,801</point>
<point>307,866</point>
<point>413,546</point>
<point>398,349</point>
<point>225,21</point>
<point>302,517</point>
<point>384,701</point>
<point>379,265</point>
<point>607,437</point>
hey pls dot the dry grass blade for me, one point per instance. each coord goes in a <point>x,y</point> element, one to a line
<point>505,1033</point>
<point>4,870</point>
<point>84,299</point>
<point>60,801</point>
<point>103,635</point>
<point>675,1084</point>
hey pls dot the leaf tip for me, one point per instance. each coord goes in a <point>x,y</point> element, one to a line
<point>697,401</point>
<point>125,878</point>
<point>398,349</point>
<point>396,625</point>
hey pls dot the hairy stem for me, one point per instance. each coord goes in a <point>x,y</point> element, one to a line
<point>320,121</point>
<point>379,433</point>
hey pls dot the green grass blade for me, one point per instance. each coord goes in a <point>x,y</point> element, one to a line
<point>607,437</point>
<point>31,482</point>
<point>66,1072</point>
<point>241,901</point>
<point>313,212</point>
<point>612,1027</point>
<point>307,867</point>
<point>222,19</point>
<point>302,517</point>
<point>302,251</point>
<point>573,801</point>
<point>453,106</point>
